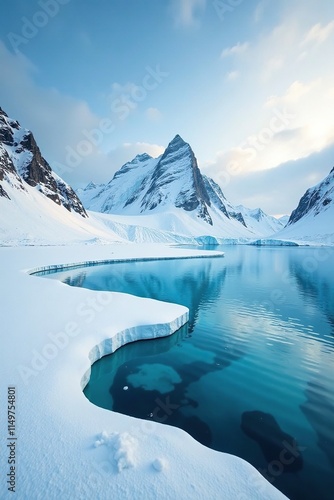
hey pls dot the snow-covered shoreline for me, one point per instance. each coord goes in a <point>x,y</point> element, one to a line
<point>90,263</point>
<point>66,447</point>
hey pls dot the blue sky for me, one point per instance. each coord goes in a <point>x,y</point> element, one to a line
<point>248,83</point>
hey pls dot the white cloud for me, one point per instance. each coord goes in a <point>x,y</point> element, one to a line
<point>293,94</point>
<point>186,12</point>
<point>279,80</point>
<point>297,125</point>
<point>59,122</point>
<point>276,190</point>
<point>310,103</point>
<point>318,33</point>
<point>153,114</point>
<point>239,48</point>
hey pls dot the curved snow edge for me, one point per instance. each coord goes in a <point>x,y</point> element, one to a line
<point>133,334</point>
<point>90,263</point>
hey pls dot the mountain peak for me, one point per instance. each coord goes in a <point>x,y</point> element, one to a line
<point>142,157</point>
<point>177,142</point>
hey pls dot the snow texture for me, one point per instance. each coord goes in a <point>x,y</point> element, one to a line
<point>68,448</point>
<point>160,464</point>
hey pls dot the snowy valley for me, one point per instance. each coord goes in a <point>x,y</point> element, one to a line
<point>165,199</point>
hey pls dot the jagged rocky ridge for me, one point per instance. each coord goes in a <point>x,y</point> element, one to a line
<point>316,200</point>
<point>149,185</point>
<point>22,162</point>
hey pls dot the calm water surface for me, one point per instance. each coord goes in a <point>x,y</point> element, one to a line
<point>252,374</point>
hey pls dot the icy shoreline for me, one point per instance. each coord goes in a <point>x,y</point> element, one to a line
<point>90,263</point>
<point>67,447</point>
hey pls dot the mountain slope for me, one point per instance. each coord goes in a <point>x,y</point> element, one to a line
<point>27,217</point>
<point>146,185</point>
<point>316,200</point>
<point>36,205</point>
<point>313,219</point>
<point>122,193</point>
<point>260,222</point>
<point>177,182</point>
<point>25,162</point>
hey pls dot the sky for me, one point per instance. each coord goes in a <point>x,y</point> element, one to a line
<point>249,84</point>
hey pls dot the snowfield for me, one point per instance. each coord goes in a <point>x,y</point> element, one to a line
<point>66,447</point>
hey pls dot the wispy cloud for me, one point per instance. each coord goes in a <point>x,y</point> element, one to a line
<point>269,189</point>
<point>232,75</point>
<point>59,122</point>
<point>239,48</point>
<point>293,94</point>
<point>186,12</point>
<point>318,34</point>
<point>153,114</point>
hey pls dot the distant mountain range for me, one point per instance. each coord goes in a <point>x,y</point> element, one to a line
<point>165,199</point>
<point>173,184</point>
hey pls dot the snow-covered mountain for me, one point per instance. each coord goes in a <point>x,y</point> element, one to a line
<point>313,219</point>
<point>260,222</point>
<point>164,199</point>
<point>316,200</point>
<point>170,193</point>
<point>36,205</point>
<point>21,160</point>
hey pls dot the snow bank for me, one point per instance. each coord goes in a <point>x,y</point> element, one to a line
<point>66,447</point>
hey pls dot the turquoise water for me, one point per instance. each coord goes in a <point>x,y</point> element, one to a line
<point>252,374</point>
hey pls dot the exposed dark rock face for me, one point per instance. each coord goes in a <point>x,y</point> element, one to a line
<point>3,193</point>
<point>276,445</point>
<point>238,216</point>
<point>216,195</point>
<point>8,174</point>
<point>315,200</point>
<point>21,157</point>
